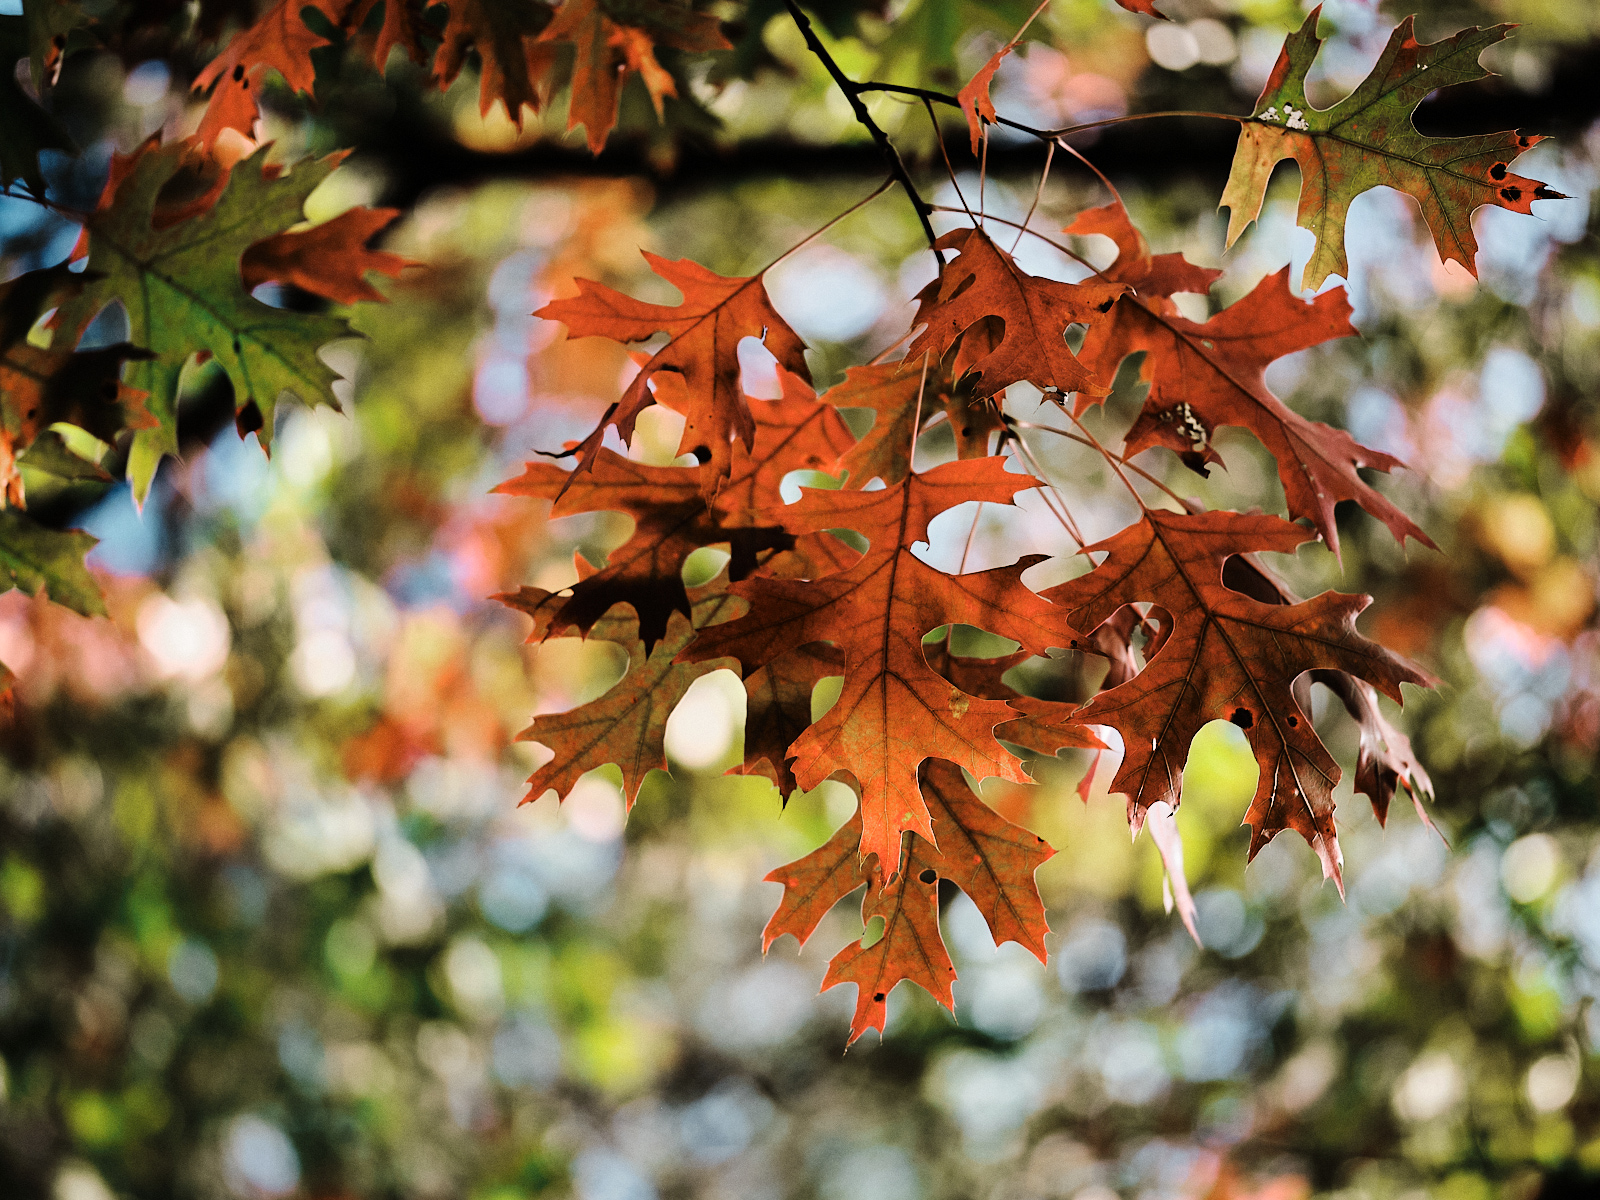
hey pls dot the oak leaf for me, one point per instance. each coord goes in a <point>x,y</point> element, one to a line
<point>717,312</point>
<point>778,711</point>
<point>990,859</point>
<point>1367,140</point>
<point>611,41</point>
<point>1225,655</point>
<point>672,521</point>
<point>280,40</point>
<point>1045,727</point>
<point>179,282</point>
<point>40,386</point>
<point>984,281</point>
<point>1384,758</point>
<point>34,558</point>
<point>628,724</point>
<point>896,392</point>
<point>894,709</point>
<point>1204,374</point>
<point>513,62</point>
<point>329,260</point>
<point>1153,278</point>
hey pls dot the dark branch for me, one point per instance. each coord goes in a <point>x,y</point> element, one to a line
<point>852,93</point>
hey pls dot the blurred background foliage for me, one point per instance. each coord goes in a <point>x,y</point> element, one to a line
<point>272,923</point>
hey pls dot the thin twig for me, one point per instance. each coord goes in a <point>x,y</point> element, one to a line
<point>916,421</point>
<point>1083,441</point>
<point>1038,194</point>
<point>852,93</point>
<point>813,236</point>
<point>951,171</point>
<point>1054,500</point>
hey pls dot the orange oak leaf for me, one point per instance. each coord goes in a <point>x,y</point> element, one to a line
<point>973,99</point>
<point>514,63</point>
<point>1367,140</point>
<point>646,571</point>
<point>329,260</point>
<point>717,312</point>
<point>1204,374</point>
<point>984,281</point>
<point>280,40</point>
<point>1046,725</point>
<point>1227,656</point>
<point>814,884</point>
<point>797,432</point>
<point>607,49</point>
<point>1154,278</point>
<point>894,709</point>
<point>628,724</point>
<point>983,854</point>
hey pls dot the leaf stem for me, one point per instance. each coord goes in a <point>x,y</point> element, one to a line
<point>852,93</point>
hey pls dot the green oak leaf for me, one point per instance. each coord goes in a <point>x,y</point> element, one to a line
<point>33,557</point>
<point>1367,140</point>
<point>49,461</point>
<point>179,282</point>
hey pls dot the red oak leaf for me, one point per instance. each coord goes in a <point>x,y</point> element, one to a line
<point>778,710</point>
<point>1210,373</point>
<point>646,571</point>
<point>896,392</point>
<point>983,854</point>
<point>1228,656</point>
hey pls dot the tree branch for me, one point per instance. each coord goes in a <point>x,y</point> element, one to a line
<point>852,93</point>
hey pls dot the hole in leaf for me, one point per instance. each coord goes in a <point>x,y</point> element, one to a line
<point>929,875</point>
<point>1242,718</point>
<point>1512,194</point>
<point>1294,722</point>
<point>1498,171</point>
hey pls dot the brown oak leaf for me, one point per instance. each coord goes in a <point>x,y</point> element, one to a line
<point>628,724</point>
<point>983,281</point>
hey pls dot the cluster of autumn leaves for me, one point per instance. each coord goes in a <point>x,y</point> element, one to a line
<point>1221,638</point>
<point>1193,627</point>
